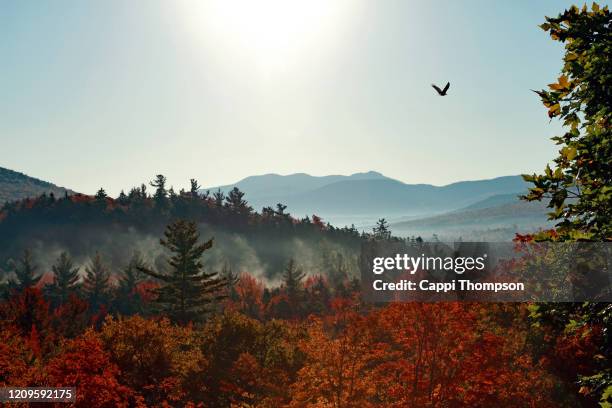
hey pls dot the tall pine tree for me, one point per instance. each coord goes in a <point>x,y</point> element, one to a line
<point>187,292</point>
<point>292,282</point>
<point>25,272</point>
<point>132,275</point>
<point>194,189</point>
<point>382,230</point>
<point>129,300</point>
<point>65,279</point>
<point>161,193</point>
<point>96,284</point>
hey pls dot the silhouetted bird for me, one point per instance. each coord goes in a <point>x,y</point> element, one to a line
<point>442,92</point>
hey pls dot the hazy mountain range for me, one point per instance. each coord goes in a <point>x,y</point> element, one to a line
<point>481,209</point>
<point>366,194</point>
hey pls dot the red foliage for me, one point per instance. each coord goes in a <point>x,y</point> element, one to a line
<point>45,279</point>
<point>70,318</point>
<point>145,290</point>
<point>84,364</point>
<point>249,292</point>
<point>17,360</point>
<point>28,312</point>
<point>397,355</point>
<point>312,280</point>
<point>81,198</point>
<point>415,354</point>
<point>318,221</point>
<point>574,351</point>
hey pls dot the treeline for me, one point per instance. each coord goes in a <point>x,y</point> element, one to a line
<point>245,239</point>
<point>139,207</point>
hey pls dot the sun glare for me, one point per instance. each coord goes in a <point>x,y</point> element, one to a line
<point>274,34</point>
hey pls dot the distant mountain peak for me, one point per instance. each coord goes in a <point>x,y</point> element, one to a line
<point>368,174</point>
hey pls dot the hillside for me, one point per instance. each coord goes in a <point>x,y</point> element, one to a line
<point>16,186</point>
<point>496,218</point>
<point>493,201</point>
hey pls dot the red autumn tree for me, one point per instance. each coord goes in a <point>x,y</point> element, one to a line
<point>83,363</point>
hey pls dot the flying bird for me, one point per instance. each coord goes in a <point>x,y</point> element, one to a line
<point>441,92</point>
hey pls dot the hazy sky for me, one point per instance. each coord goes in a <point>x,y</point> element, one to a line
<point>110,93</point>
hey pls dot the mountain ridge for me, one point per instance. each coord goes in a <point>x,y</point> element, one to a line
<point>362,198</point>
<point>15,185</point>
<point>368,194</point>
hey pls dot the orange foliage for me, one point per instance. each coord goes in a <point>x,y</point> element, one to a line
<point>249,293</point>
<point>336,370</point>
<point>416,354</point>
<point>396,355</point>
<point>157,359</point>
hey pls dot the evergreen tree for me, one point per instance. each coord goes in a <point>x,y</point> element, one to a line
<point>267,213</point>
<point>382,230</point>
<point>65,279</point>
<point>101,195</point>
<point>280,210</point>
<point>219,198</point>
<point>25,272</point>
<point>96,284</point>
<point>160,188</point>
<point>231,279</point>
<point>318,296</point>
<point>132,274</point>
<point>134,194</point>
<point>238,206</point>
<point>292,282</point>
<point>129,300</point>
<point>267,295</point>
<point>337,271</point>
<point>172,196</point>
<point>195,188</point>
<point>187,292</point>
<point>122,199</point>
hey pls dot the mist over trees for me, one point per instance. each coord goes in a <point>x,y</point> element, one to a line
<point>187,291</point>
<point>25,271</point>
<point>116,227</point>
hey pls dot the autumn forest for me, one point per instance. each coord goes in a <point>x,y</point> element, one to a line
<point>192,298</point>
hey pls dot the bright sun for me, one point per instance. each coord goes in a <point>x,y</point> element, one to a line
<point>274,34</point>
